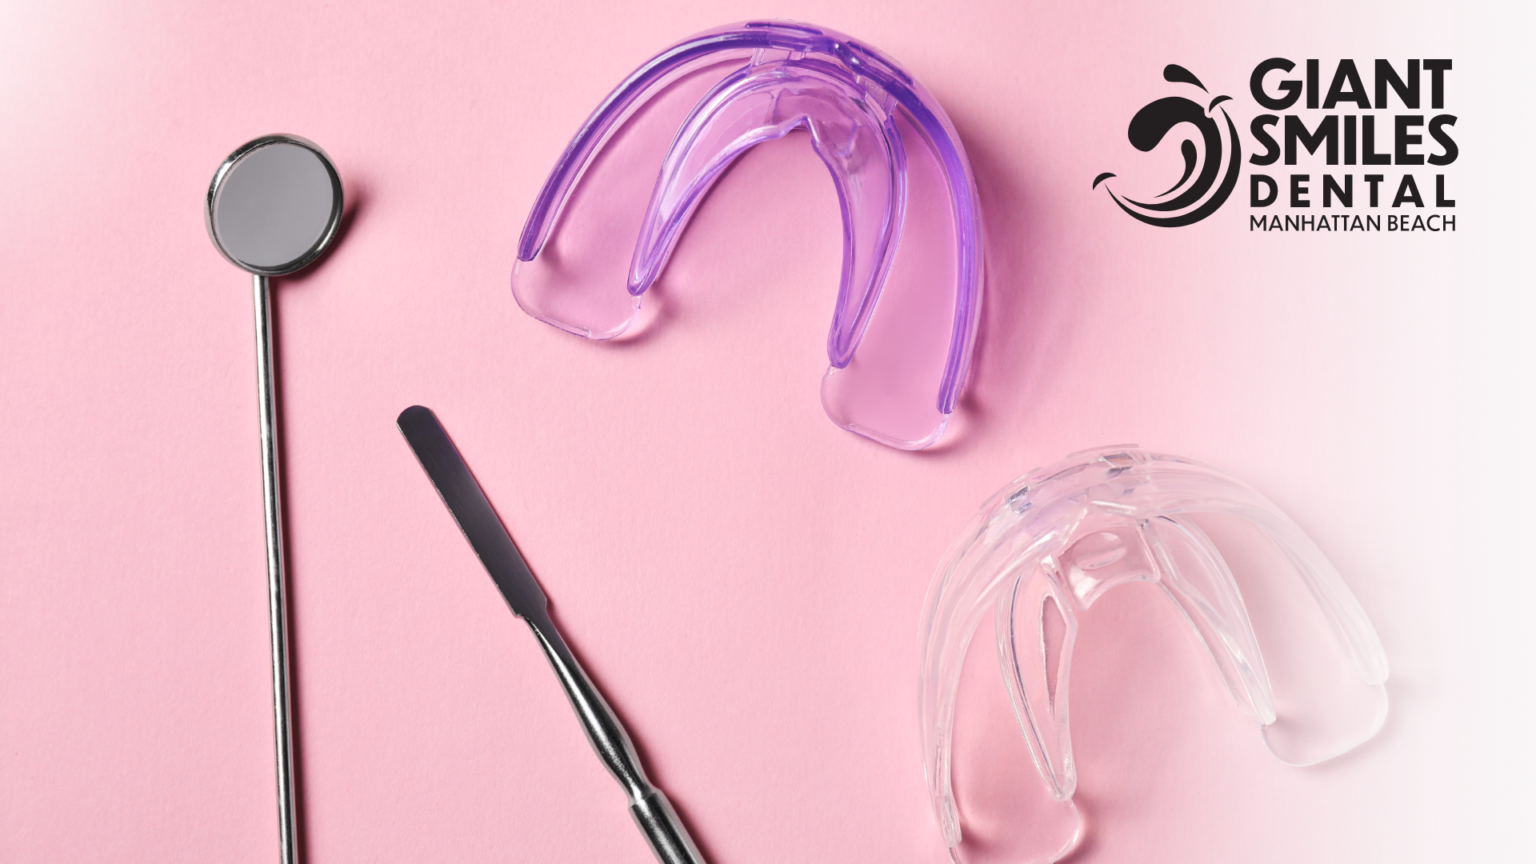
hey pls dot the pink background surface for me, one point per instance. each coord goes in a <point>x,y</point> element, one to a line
<point>742,578</point>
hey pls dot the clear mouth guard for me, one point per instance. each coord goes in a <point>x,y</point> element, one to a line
<point>1045,548</point>
<point>903,324</point>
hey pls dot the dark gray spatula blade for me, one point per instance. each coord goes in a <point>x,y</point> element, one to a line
<point>472,511</point>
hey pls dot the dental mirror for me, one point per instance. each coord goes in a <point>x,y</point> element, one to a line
<point>273,207</point>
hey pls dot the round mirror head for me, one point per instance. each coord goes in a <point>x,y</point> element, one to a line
<point>274,205</point>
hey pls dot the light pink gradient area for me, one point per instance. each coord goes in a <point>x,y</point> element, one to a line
<point>742,578</point>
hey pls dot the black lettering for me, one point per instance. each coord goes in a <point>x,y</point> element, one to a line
<point>1401,139</point>
<point>1437,70</point>
<point>1345,195</point>
<point>1349,139</point>
<point>1372,180</point>
<point>1368,154</point>
<point>1373,223</point>
<point>1258,222</point>
<point>1408,190</point>
<point>1311,83</point>
<point>1440,199</point>
<point>1443,138</point>
<point>1254,181</point>
<point>1449,222</point>
<point>1260,134</point>
<point>1327,131</point>
<point>1291,89</point>
<point>1346,74</point>
<point>1299,189</point>
<point>1408,92</point>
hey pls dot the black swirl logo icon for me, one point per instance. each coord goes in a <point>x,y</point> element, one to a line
<point>1197,194</point>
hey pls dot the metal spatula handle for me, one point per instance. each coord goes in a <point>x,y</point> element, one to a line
<point>647,804</point>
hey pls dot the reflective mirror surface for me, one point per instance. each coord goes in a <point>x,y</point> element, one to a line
<point>274,205</point>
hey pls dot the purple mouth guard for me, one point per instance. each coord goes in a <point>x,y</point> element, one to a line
<point>903,324</point>
<point>1049,545</point>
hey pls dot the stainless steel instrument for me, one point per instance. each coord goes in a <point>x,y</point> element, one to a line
<point>273,207</point>
<point>649,807</point>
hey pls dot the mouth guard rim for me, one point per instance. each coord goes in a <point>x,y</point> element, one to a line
<point>1042,514</point>
<point>880,75</point>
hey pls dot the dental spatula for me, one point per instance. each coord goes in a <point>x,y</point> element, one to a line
<point>491,542</point>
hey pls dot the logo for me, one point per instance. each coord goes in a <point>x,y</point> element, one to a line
<point>1197,194</point>
<point>1340,146</point>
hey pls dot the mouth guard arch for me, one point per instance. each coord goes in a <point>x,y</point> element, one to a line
<point>866,117</point>
<point>1062,536</point>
